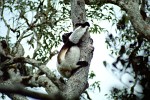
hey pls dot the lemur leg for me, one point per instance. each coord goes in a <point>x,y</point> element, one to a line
<point>82,63</point>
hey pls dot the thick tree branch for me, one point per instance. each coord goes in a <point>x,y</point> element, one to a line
<point>33,62</point>
<point>12,96</point>
<point>141,26</point>
<point>13,87</point>
<point>19,89</point>
<point>17,97</point>
<point>133,11</point>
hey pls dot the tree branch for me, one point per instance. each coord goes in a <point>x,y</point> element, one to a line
<point>35,63</point>
<point>12,87</point>
<point>19,89</point>
<point>132,9</point>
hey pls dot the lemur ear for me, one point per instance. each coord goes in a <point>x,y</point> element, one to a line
<point>82,24</point>
<point>65,37</point>
<point>78,24</point>
<point>86,24</point>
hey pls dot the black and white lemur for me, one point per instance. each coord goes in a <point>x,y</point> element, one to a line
<point>69,55</point>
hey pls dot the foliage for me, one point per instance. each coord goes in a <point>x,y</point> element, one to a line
<point>97,13</point>
<point>34,20</point>
<point>96,84</point>
<point>123,94</point>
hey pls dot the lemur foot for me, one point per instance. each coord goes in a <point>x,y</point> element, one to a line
<point>82,63</point>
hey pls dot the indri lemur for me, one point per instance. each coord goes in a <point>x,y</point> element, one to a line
<point>69,55</point>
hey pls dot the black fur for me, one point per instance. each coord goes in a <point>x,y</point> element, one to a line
<point>82,24</point>
<point>82,63</point>
<point>65,37</point>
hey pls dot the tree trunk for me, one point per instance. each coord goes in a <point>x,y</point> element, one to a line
<point>78,82</point>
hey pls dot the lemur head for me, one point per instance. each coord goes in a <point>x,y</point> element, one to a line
<point>65,36</point>
<point>77,34</point>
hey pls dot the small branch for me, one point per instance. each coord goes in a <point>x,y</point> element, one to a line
<point>88,96</point>
<point>38,46</point>
<point>8,26</point>
<point>26,20</point>
<point>30,25</point>
<point>27,35</point>
<point>51,55</point>
<point>8,32</point>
